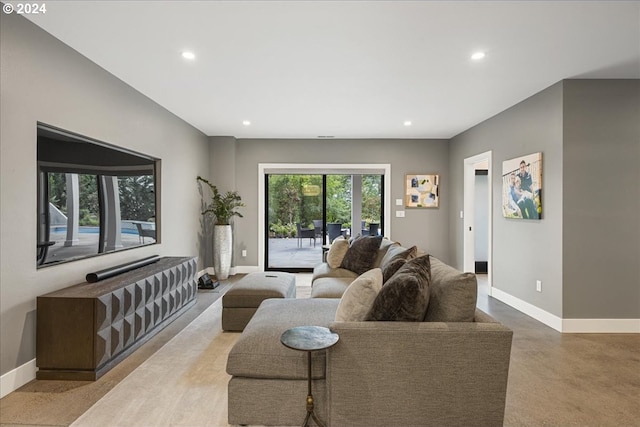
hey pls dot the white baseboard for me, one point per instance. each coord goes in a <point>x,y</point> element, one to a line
<point>13,380</point>
<point>531,310</point>
<point>568,326</point>
<point>601,326</point>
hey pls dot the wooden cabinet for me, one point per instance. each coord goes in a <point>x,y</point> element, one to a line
<point>86,329</point>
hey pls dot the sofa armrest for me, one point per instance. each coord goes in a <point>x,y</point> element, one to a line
<point>422,373</point>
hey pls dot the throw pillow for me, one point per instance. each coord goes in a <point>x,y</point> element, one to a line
<point>361,254</point>
<point>453,294</point>
<point>394,263</point>
<point>337,251</point>
<point>391,268</point>
<point>359,296</point>
<point>405,296</point>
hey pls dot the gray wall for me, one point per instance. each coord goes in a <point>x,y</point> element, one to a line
<point>523,251</point>
<point>601,226</point>
<point>222,161</point>
<point>586,249</point>
<point>44,80</point>
<point>426,228</point>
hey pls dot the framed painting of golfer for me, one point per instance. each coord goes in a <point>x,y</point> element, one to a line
<point>522,187</point>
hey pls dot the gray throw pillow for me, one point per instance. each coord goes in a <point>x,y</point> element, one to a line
<point>390,267</point>
<point>361,254</point>
<point>405,296</point>
<point>453,294</point>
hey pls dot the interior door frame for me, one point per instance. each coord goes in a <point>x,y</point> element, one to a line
<point>319,169</point>
<point>469,215</point>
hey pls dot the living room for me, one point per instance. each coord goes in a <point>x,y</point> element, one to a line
<point>585,250</point>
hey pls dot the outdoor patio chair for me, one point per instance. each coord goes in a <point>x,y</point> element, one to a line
<point>371,230</point>
<point>304,233</point>
<point>363,229</point>
<point>334,229</point>
<point>317,226</point>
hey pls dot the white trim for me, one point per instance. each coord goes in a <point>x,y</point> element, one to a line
<point>601,326</point>
<point>531,310</point>
<point>319,168</point>
<point>13,380</point>
<point>570,326</point>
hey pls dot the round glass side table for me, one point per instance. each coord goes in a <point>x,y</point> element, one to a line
<point>309,339</point>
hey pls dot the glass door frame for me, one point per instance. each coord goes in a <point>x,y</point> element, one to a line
<point>319,169</point>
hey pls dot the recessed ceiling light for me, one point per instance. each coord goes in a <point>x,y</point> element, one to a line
<point>478,55</point>
<point>246,122</point>
<point>407,123</point>
<point>188,55</point>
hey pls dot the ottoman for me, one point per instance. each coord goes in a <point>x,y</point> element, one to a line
<point>243,299</point>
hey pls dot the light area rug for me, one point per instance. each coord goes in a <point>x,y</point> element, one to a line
<point>182,384</point>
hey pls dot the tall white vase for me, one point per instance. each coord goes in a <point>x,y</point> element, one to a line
<point>222,247</point>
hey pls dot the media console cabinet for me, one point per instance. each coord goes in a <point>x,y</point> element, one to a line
<point>85,330</point>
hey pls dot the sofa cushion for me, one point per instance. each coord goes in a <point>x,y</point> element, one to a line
<point>323,270</point>
<point>382,251</point>
<point>330,287</point>
<point>337,251</point>
<point>361,254</point>
<point>405,296</point>
<point>453,294</point>
<point>258,353</point>
<point>359,296</point>
<point>398,258</point>
<point>256,287</point>
<point>393,249</point>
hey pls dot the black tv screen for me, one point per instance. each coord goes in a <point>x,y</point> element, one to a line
<point>93,197</point>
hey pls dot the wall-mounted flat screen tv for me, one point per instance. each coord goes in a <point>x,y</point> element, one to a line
<point>93,197</point>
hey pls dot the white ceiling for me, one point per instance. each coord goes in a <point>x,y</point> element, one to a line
<point>353,69</point>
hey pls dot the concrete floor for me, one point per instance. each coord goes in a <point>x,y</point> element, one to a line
<point>294,253</point>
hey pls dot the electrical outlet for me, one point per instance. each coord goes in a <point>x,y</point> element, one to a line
<point>539,285</point>
<point>244,252</point>
<point>399,214</point>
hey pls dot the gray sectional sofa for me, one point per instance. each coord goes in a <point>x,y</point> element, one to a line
<point>380,373</point>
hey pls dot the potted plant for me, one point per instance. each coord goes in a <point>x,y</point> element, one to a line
<point>223,207</point>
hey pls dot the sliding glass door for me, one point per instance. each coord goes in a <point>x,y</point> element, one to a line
<point>306,212</point>
<point>294,212</point>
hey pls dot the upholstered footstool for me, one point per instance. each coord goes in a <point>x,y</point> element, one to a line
<point>243,299</point>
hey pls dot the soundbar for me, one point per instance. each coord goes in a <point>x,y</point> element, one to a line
<point>119,269</point>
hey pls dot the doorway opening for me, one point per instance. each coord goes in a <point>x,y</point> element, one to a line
<point>477,231</point>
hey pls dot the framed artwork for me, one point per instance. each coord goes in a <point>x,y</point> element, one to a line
<point>422,191</point>
<point>522,187</point>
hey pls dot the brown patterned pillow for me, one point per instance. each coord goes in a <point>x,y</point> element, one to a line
<point>405,297</point>
<point>390,267</point>
<point>361,254</point>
